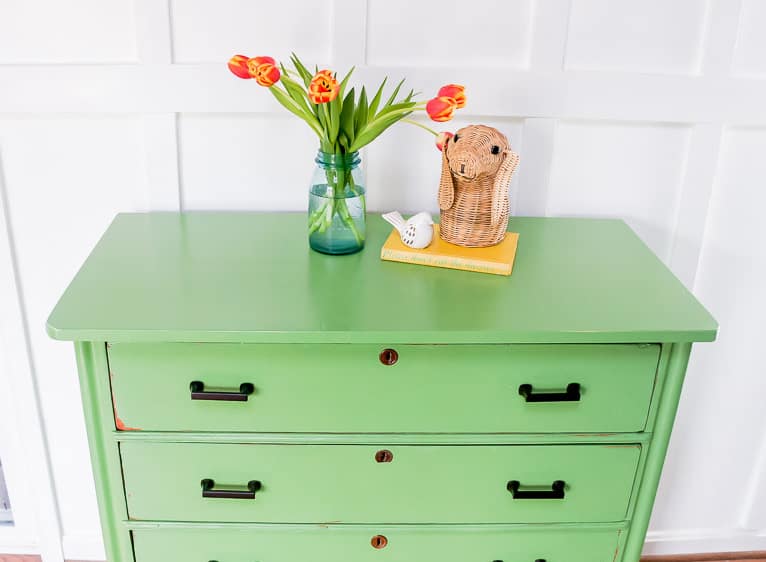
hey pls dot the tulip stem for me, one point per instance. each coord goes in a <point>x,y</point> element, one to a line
<point>429,129</point>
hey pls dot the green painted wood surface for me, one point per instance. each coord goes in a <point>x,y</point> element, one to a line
<point>332,543</point>
<point>344,483</point>
<point>104,451</point>
<point>248,277</point>
<point>345,388</point>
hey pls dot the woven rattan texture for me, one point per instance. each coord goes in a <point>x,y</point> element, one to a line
<point>473,189</point>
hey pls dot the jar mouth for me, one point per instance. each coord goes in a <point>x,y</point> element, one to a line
<point>336,161</point>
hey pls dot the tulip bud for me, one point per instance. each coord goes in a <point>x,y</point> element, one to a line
<point>441,108</point>
<point>441,139</point>
<point>238,65</point>
<point>454,91</point>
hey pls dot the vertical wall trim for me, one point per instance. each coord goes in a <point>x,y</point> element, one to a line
<point>720,37</point>
<point>349,35</point>
<point>550,32</point>
<point>538,138</point>
<point>693,203</point>
<point>14,338</point>
<point>753,515</point>
<point>162,189</point>
<point>550,25</point>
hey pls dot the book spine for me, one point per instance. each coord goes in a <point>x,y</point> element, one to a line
<point>445,261</point>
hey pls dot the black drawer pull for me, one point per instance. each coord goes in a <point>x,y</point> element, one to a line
<point>198,392</point>
<point>555,493</point>
<point>571,394</point>
<point>208,492</point>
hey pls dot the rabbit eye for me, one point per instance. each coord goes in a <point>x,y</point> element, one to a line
<point>454,139</point>
<point>495,149</point>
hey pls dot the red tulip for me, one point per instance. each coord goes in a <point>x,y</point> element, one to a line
<point>264,70</point>
<point>441,139</point>
<point>238,65</point>
<point>441,108</point>
<point>454,91</point>
<point>323,87</point>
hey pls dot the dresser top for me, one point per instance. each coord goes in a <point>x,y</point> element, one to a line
<point>251,277</point>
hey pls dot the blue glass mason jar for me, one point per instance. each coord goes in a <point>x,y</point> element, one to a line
<point>337,207</point>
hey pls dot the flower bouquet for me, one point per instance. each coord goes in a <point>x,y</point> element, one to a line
<point>344,122</point>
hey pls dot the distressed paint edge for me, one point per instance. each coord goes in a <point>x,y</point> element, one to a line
<point>657,450</point>
<point>93,370</point>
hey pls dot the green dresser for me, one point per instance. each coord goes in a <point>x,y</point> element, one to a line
<point>249,400</point>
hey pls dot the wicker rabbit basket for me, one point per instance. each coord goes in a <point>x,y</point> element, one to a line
<point>477,166</point>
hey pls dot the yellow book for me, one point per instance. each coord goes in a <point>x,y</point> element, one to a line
<point>497,260</point>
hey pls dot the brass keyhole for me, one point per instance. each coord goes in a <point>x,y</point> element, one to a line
<point>384,455</point>
<point>379,541</point>
<point>389,356</point>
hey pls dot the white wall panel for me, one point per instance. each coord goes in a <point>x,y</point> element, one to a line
<point>395,182</point>
<point>750,51</point>
<point>719,431</point>
<point>205,31</point>
<point>631,171</point>
<point>245,161</point>
<point>65,179</point>
<point>79,31</point>
<point>449,33</point>
<point>646,36</point>
<point>619,104</point>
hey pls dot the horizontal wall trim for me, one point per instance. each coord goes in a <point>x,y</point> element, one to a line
<point>210,88</point>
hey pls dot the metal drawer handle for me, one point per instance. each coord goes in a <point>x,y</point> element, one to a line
<point>571,394</point>
<point>208,492</point>
<point>198,392</point>
<point>556,492</point>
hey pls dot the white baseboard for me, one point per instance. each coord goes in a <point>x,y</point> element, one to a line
<point>83,547</point>
<point>694,541</point>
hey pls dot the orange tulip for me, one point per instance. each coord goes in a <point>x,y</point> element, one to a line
<point>441,139</point>
<point>454,91</point>
<point>264,70</point>
<point>323,87</point>
<point>441,108</point>
<point>238,65</point>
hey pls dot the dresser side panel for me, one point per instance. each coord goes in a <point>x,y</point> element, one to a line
<point>669,397</point>
<point>104,452</point>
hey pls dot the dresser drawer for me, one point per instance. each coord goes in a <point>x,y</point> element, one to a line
<point>355,484</point>
<point>348,388</point>
<point>331,543</point>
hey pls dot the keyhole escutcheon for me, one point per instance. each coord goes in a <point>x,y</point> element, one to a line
<point>384,455</point>
<point>379,541</point>
<point>389,356</point>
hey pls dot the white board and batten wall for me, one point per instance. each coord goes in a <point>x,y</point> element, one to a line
<point>652,111</point>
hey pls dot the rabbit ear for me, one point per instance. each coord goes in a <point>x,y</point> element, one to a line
<point>502,179</point>
<point>446,187</point>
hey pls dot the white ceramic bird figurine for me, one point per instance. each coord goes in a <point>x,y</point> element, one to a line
<point>416,232</point>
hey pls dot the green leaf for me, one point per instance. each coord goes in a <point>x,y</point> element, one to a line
<point>289,104</point>
<point>395,107</point>
<point>375,129</point>
<point>344,141</point>
<point>360,117</point>
<point>395,93</point>
<point>335,108</point>
<point>297,93</point>
<point>376,100</point>
<point>347,115</point>
<point>343,82</point>
<point>302,70</point>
